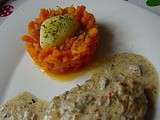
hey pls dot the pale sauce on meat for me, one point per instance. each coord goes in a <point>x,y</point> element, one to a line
<point>123,83</point>
<point>136,67</point>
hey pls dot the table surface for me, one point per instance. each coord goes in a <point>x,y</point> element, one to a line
<point>141,3</point>
<point>11,6</point>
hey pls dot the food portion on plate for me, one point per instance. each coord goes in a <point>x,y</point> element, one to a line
<point>122,89</point>
<point>62,40</point>
<point>24,106</point>
<point>118,91</point>
<point>100,98</point>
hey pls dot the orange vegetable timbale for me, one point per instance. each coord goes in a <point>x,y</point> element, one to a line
<point>74,53</point>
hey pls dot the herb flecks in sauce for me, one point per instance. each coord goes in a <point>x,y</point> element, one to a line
<point>115,92</point>
<point>24,106</point>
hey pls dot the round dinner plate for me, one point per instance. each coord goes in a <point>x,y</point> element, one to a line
<point>133,30</point>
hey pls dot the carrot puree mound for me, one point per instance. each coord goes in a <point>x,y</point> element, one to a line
<point>74,53</point>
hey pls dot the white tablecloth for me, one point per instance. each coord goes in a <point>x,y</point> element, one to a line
<point>141,3</point>
<point>11,6</point>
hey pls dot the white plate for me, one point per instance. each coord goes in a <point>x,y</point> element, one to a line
<point>134,29</point>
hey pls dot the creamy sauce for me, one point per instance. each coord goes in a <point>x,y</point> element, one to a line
<point>123,62</point>
<point>123,65</point>
<point>135,67</point>
<point>24,106</point>
<point>120,62</point>
<point>113,78</point>
<point>140,69</point>
<point>118,87</point>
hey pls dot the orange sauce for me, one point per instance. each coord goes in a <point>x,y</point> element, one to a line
<point>87,70</point>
